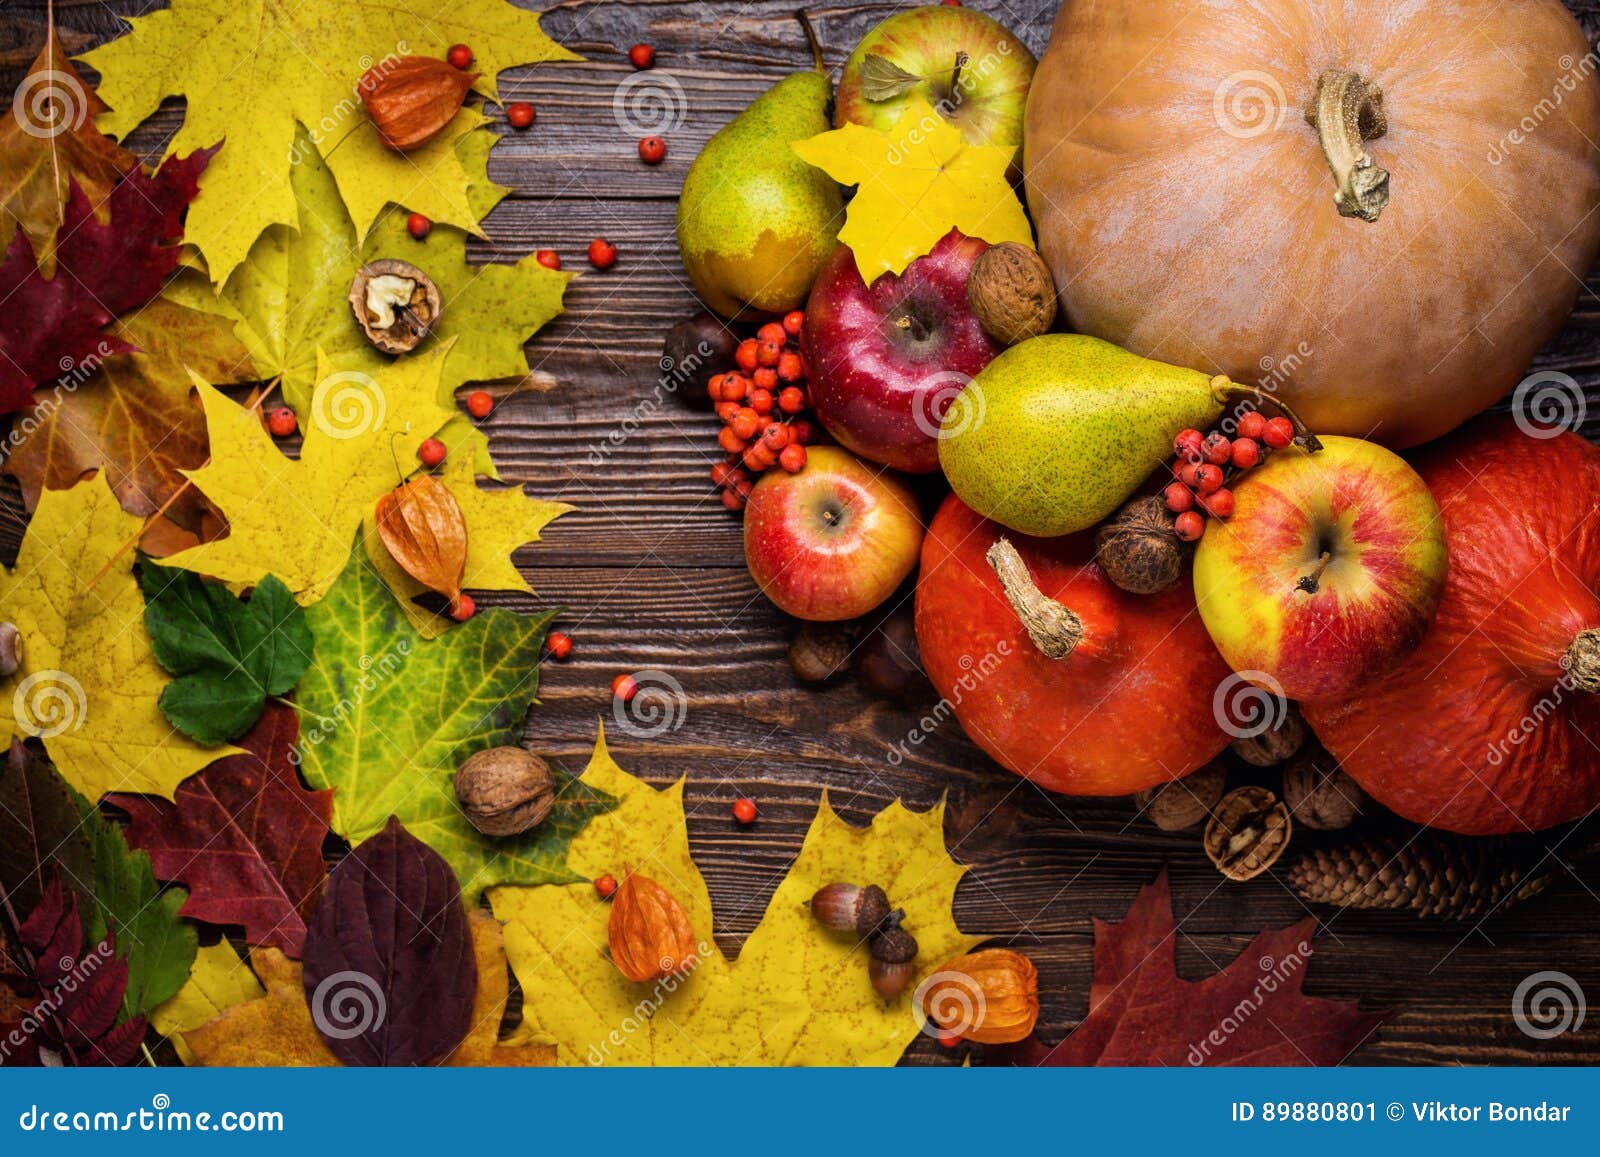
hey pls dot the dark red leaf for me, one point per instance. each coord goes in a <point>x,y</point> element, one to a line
<point>103,269</point>
<point>243,835</point>
<point>389,969</point>
<point>1253,1012</point>
<point>41,832</point>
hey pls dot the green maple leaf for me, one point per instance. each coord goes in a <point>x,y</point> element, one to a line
<point>253,71</point>
<point>157,943</point>
<point>387,716</point>
<point>229,655</point>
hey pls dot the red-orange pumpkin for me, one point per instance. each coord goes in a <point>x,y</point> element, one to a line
<point>1130,706</point>
<point>1493,724</point>
<point>1187,206</point>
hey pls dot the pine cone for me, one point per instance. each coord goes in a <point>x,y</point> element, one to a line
<point>1433,874</point>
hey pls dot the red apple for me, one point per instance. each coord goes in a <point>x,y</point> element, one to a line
<point>833,541</point>
<point>885,361</point>
<point>1328,572</point>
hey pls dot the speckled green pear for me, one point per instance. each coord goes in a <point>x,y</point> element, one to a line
<point>1058,431</point>
<point>755,222</point>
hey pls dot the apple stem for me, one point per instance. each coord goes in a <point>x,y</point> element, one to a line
<point>1582,661</point>
<point>812,41</point>
<point>1054,628</point>
<point>1229,392</point>
<point>955,80</point>
<point>1309,583</point>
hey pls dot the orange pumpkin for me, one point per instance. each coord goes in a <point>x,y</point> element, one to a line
<point>1187,204</point>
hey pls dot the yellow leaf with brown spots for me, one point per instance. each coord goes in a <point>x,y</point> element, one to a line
<point>218,981</point>
<point>797,994</point>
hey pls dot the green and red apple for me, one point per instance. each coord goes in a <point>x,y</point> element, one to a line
<point>1328,572</point>
<point>965,64</point>
<point>833,541</point>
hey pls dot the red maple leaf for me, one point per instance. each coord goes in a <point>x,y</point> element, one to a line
<point>1253,1012</point>
<point>243,835</point>
<point>104,268</point>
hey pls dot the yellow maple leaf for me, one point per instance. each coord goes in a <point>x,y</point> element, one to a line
<point>218,981</point>
<point>88,685</point>
<point>277,1029</point>
<point>915,183</point>
<point>252,70</point>
<point>296,518</point>
<point>797,994</point>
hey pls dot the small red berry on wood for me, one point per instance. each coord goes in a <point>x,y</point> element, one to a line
<point>519,114</point>
<point>431,452</point>
<point>642,56</point>
<point>652,150</point>
<point>744,810</point>
<point>602,254</point>
<point>559,645</point>
<point>1189,526</point>
<point>459,56</point>
<point>463,609</point>
<point>1279,433</point>
<point>418,226</point>
<point>948,1039</point>
<point>606,886</point>
<point>625,687</point>
<point>548,258</point>
<point>480,404</point>
<point>281,422</point>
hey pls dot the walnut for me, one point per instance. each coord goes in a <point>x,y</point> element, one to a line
<point>504,791</point>
<point>1138,549</point>
<point>1012,293</point>
<point>1248,833</point>
<point>395,303</point>
<point>820,651</point>
<point>1277,743</point>
<point>1320,794</point>
<point>1183,803</point>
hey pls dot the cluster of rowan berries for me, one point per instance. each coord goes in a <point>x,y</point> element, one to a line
<point>762,403</point>
<point>1203,464</point>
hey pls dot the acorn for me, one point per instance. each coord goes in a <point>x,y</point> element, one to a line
<point>894,951</point>
<point>848,908</point>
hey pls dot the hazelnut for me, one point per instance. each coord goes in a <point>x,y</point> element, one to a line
<point>1012,293</point>
<point>1183,803</point>
<point>395,303</point>
<point>505,791</point>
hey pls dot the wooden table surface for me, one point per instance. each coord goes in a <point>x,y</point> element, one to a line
<point>651,572</point>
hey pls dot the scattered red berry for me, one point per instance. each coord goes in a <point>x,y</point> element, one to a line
<point>946,1038</point>
<point>1279,433</point>
<point>1218,505</point>
<point>1216,449</point>
<point>281,422</point>
<point>625,687</point>
<point>1252,425</point>
<point>463,609</point>
<point>559,645</point>
<point>602,254</point>
<point>480,404</point>
<point>1207,478</point>
<point>642,56</point>
<point>548,258</point>
<point>1179,497</point>
<point>418,226</point>
<point>1189,526</point>
<point>431,452</point>
<point>519,114</point>
<point>606,886</point>
<point>744,810</point>
<point>652,150</point>
<point>459,56</point>
<point>1246,453</point>
<point>793,458</point>
<point>1187,445</point>
<point>793,322</point>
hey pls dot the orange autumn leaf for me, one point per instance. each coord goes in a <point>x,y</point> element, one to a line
<point>422,525</point>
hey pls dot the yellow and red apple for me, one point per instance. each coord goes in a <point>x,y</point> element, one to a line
<point>833,541</point>
<point>1328,572</point>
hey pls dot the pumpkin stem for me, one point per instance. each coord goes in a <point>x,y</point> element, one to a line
<point>1347,113</point>
<point>1054,629</point>
<point>1582,661</point>
<point>1229,393</point>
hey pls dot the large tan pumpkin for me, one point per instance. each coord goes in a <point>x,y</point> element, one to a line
<point>1187,205</point>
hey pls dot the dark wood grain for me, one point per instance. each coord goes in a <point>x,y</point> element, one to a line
<point>650,570</point>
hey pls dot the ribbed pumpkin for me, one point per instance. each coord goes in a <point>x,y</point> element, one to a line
<point>1492,725</point>
<point>1187,207</point>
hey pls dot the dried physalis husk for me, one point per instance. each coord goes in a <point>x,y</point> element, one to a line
<point>1248,833</point>
<point>991,997</point>
<point>1183,803</point>
<point>649,931</point>
<point>421,524</point>
<point>412,98</point>
<point>1319,793</point>
<point>1277,743</point>
<point>395,303</point>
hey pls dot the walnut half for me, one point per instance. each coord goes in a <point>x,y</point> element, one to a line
<point>395,303</point>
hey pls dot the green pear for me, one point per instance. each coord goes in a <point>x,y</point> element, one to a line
<point>755,222</point>
<point>1055,433</point>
